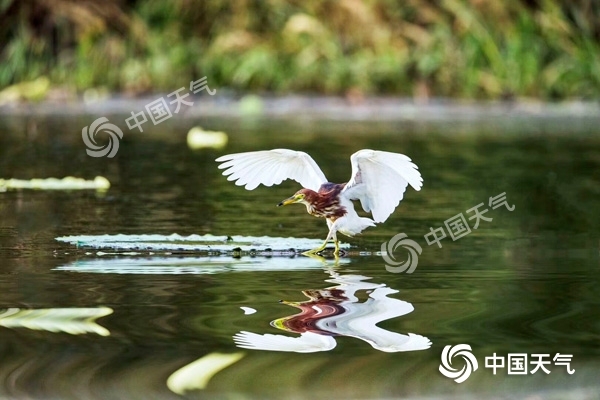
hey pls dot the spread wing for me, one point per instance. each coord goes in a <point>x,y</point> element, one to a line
<point>379,180</point>
<point>271,167</point>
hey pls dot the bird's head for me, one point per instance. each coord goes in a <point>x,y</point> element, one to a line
<point>301,196</point>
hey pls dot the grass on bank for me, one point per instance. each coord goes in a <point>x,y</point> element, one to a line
<point>456,48</point>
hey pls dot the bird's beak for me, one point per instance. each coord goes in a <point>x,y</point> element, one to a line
<point>290,200</point>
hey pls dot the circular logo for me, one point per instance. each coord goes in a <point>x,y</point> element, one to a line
<point>395,266</point>
<point>464,351</point>
<point>89,138</point>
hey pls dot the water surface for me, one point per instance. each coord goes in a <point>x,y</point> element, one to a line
<point>525,282</point>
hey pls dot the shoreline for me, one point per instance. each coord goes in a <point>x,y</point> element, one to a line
<point>319,107</point>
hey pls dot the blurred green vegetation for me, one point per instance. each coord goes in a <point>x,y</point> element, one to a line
<point>459,48</point>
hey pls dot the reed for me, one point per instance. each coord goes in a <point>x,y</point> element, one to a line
<point>453,48</point>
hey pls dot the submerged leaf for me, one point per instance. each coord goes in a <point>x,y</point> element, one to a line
<point>68,183</point>
<point>74,321</point>
<point>197,374</point>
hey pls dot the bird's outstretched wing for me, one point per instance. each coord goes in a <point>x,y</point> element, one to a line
<point>308,342</point>
<point>379,180</point>
<point>271,167</point>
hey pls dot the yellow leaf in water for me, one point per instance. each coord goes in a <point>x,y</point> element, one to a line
<point>197,374</point>
<point>199,138</point>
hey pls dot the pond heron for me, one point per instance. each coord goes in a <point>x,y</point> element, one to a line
<point>379,180</point>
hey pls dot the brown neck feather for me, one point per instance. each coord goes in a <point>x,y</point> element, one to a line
<point>325,202</point>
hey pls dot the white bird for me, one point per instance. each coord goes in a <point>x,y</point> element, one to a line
<point>379,180</point>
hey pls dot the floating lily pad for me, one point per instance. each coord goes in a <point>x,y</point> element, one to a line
<point>207,244</point>
<point>189,265</point>
<point>197,375</point>
<point>75,321</point>
<point>199,138</point>
<point>68,183</point>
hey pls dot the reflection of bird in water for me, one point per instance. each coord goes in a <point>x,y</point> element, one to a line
<point>322,304</point>
<point>379,180</point>
<point>336,311</point>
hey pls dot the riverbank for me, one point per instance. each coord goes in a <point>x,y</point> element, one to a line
<point>453,48</point>
<point>326,108</point>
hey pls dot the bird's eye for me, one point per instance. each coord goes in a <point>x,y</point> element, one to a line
<point>301,196</point>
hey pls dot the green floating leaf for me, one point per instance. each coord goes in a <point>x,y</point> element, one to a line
<point>197,374</point>
<point>140,264</point>
<point>74,321</point>
<point>198,138</point>
<point>196,243</point>
<point>68,183</point>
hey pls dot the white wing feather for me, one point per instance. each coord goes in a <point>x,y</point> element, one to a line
<point>308,342</point>
<point>271,167</point>
<point>379,180</point>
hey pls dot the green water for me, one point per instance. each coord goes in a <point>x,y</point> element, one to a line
<point>525,282</point>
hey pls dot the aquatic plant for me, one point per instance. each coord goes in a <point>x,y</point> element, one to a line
<point>422,48</point>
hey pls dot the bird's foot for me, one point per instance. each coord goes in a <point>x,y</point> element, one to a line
<point>318,250</point>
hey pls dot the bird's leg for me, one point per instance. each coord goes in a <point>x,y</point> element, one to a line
<point>320,248</point>
<point>330,235</point>
<point>336,252</point>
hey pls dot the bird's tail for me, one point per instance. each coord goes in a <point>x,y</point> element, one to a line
<point>356,226</point>
<point>367,222</point>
